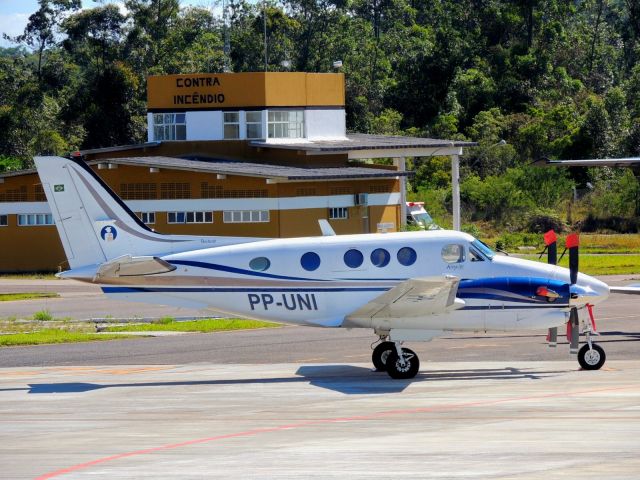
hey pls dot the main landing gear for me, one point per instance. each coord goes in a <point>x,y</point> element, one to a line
<point>398,362</point>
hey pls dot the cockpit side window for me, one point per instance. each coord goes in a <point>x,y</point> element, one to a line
<point>453,253</point>
<point>483,249</point>
<point>475,256</point>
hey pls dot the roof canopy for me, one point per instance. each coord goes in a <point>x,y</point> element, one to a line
<point>275,173</point>
<point>361,146</point>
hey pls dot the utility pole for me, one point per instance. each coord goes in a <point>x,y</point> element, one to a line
<point>264,17</point>
<point>227,42</point>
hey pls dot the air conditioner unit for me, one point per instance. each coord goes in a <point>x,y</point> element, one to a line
<point>361,199</point>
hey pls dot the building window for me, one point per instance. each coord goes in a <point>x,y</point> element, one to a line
<point>4,220</point>
<point>175,190</point>
<point>338,213</point>
<point>231,122</point>
<point>189,217</point>
<point>286,124</point>
<point>169,126</point>
<point>29,219</point>
<point>138,191</point>
<point>245,216</point>
<point>254,125</point>
<point>147,217</point>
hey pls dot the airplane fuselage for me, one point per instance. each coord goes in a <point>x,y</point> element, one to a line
<point>320,280</point>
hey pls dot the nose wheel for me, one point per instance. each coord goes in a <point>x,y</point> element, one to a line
<point>591,356</point>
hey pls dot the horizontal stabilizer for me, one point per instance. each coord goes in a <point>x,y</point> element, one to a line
<point>415,297</point>
<point>326,229</point>
<point>128,266</point>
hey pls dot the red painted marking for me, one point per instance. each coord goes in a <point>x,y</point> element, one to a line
<point>592,317</point>
<point>569,326</point>
<point>550,237</point>
<point>573,240</point>
<point>323,421</point>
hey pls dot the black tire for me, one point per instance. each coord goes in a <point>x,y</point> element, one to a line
<point>380,354</point>
<point>410,369</point>
<point>591,359</point>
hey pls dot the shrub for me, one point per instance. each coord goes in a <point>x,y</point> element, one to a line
<point>543,220</point>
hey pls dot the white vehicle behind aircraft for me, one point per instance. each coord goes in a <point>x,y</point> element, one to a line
<point>418,216</point>
<point>409,286</point>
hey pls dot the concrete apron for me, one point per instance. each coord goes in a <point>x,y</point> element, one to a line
<point>462,420</point>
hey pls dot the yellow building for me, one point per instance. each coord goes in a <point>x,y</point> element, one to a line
<point>245,154</point>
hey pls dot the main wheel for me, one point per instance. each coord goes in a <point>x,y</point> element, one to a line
<point>591,359</point>
<point>396,370</point>
<point>380,354</point>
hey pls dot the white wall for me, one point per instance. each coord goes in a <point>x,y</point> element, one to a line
<point>204,125</point>
<point>325,124</point>
<point>207,125</point>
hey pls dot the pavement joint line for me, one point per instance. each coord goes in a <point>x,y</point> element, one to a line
<point>327,421</point>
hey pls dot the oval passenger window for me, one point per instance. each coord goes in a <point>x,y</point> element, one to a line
<point>380,257</point>
<point>310,261</point>
<point>353,258</point>
<point>407,256</point>
<point>259,264</point>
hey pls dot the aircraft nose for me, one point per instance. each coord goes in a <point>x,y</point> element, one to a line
<point>589,290</point>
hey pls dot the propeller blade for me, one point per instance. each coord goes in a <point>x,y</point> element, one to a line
<point>573,244</point>
<point>550,240</point>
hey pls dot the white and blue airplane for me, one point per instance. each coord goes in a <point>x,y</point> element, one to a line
<point>408,286</point>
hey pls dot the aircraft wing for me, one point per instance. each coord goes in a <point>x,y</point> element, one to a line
<point>415,297</point>
<point>632,290</point>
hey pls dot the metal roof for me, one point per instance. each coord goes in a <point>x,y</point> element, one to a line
<point>246,169</point>
<point>256,169</point>
<point>596,162</point>
<point>361,141</point>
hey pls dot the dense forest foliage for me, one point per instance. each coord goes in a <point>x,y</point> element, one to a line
<point>554,78</point>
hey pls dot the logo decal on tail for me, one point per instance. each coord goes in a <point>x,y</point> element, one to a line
<point>108,233</point>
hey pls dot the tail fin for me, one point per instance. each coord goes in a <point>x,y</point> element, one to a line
<point>95,225</point>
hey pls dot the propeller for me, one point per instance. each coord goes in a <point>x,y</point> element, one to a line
<point>551,247</point>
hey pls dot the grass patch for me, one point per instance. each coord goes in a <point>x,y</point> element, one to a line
<point>43,316</point>
<point>10,297</point>
<point>53,336</point>
<point>589,243</point>
<point>28,276</point>
<point>207,325</point>
<point>600,264</point>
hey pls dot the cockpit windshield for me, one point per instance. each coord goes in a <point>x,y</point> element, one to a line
<point>483,248</point>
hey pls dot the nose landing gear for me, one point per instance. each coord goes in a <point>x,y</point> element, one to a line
<point>591,356</point>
